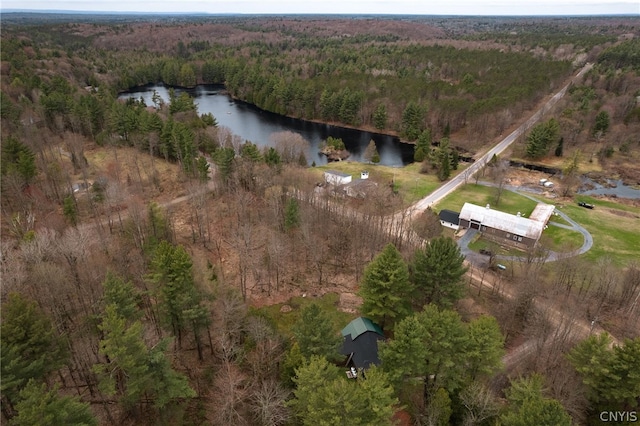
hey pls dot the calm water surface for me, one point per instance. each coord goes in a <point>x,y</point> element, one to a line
<point>257,126</point>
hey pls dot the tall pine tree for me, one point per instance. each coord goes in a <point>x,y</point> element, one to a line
<point>30,348</point>
<point>39,406</point>
<point>386,289</point>
<point>315,333</point>
<point>436,272</point>
<point>180,300</point>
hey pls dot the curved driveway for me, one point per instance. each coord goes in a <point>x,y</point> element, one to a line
<point>552,256</point>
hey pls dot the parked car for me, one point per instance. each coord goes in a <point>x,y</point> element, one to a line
<point>585,205</point>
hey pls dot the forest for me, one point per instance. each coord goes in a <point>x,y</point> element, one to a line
<point>158,269</point>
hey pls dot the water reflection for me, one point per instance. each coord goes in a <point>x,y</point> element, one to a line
<point>257,126</point>
<point>615,188</point>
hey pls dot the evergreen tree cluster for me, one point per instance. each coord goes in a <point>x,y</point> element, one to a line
<point>390,288</point>
<point>325,397</point>
<point>541,137</point>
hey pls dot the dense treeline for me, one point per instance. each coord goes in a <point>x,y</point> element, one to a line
<point>327,79</point>
<point>624,55</point>
<point>332,84</point>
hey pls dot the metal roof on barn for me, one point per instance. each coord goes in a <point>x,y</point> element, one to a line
<point>542,213</point>
<point>360,326</point>
<point>518,225</point>
<point>337,173</point>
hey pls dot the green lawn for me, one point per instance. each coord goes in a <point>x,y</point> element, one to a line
<point>510,202</point>
<point>409,182</point>
<point>615,229</point>
<point>285,320</point>
<point>560,239</point>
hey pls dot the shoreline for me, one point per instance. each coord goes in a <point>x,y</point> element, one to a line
<point>371,130</point>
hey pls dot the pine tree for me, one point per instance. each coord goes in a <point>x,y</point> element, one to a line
<point>433,344</point>
<point>126,374</point>
<point>380,117</point>
<point>123,296</point>
<point>485,347</point>
<point>412,121</point>
<point>423,144</point>
<point>446,133</point>
<point>385,288</point>
<point>315,334</point>
<point>167,385</point>
<point>38,406</point>
<point>179,299</point>
<point>602,123</point>
<point>375,159</point>
<point>612,375</point>
<point>202,169</point>
<point>436,272</point>
<point>30,347</point>
<point>324,397</point>
<point>250,152</point>
<point>69,210</point>
<point>272,158</point>
<point>442,159</point>
<point>540,138</point>
<point>444,169</point>
<point>292,361</point>
<point>18,158</point>
<point>529,407</point>
<point>224,159</point>
<point>291,214</point>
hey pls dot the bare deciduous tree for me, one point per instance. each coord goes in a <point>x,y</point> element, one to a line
<point>480,404</point>
<point>268,404</point>
<point>230,394</point>
<point>290,146</point>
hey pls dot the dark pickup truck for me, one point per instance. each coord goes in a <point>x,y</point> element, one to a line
<point>585,205</point>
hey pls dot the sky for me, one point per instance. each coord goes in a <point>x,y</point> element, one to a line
<point>413,7</point>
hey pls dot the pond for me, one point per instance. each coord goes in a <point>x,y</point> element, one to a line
<point>611,187</point>
<point>257,126</point>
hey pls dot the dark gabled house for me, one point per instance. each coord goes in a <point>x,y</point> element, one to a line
<point>360,343</point>
<point>449,218</point>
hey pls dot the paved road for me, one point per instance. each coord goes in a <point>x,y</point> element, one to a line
<point>458,180</point>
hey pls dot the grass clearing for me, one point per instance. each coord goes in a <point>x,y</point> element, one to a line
<point>284,321</point>
<point>561,239</point>
<point>409,182</point>
<point>615,229</point>
<point>510,202</point>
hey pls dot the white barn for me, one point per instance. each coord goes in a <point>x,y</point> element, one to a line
<point>507,228</point>
<point>336,178</point>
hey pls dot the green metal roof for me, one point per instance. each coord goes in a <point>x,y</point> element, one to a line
<point>359,326</point>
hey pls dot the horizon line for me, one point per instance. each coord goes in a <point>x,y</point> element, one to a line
<point>200,13</point>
